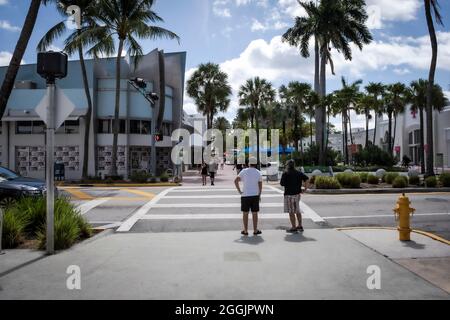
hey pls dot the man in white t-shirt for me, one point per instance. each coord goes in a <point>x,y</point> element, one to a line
<point>251,196</point>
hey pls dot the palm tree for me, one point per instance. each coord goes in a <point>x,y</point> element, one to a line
<point>244,116</point>
<point>19,51</point>
<point>418,98</point>
<point>396,99</point>
<point>376,90</point>
<point>347,99</point>
<point>366,103</point>
<point>333,23</point>
<point>209,88</point>
<point>128,21</point>
<point>71,46</point>
<point>313,101</point>
<point>255,93</point>
<point>222,124</point>
<point>431,6</point>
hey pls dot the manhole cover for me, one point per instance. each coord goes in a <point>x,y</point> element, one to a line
<point>241,256</point>
<point>436,200</point>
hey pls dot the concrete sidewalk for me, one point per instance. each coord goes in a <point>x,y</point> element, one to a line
<point>320,264</point>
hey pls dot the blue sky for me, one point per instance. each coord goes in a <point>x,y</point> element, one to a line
<point>243,36</point>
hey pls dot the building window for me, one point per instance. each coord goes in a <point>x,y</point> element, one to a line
<point>106,126</point>
<point>167,129</point>
<point>29,127</point>
<point>69,127</point>
<point>414,146</point>
<point>140,126</point>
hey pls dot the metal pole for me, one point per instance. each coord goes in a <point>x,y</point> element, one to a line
<point>153,143</point>
<point>50,167</point>
<point>1,230</point>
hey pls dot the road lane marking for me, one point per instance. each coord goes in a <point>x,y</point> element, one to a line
<point>213,205</point>
<point>86,207</point>
<point>213,216</point>
<point>77,193</point>
<point>219,196</point>
<point>304,208</point>
<point>207,190</point>
<point>140,193</point>
<point>129,223</point>
<point>386,215</point>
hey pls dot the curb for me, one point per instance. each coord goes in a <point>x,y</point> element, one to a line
<point>377,191</point>
<point>424,233</point>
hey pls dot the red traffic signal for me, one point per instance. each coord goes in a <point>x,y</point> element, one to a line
<point>159,136</point>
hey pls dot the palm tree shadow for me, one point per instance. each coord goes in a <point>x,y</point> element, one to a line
<point>297,237</point>
<point>255,240</point>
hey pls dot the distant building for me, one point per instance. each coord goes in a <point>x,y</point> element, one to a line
<point>22,133</point>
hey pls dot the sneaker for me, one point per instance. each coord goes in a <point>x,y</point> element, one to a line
<point>300,229</point>
<point>292,230</point>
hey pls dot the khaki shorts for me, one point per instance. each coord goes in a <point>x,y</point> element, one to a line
<point>292,204</point>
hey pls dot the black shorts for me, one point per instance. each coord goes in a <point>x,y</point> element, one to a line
<point>212,174</point>
<point>250,204</point>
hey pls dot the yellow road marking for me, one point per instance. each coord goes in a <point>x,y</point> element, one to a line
<point>424,233</point>
<point>124,198</point>
<point>79,194</point>
<point>148,195</point>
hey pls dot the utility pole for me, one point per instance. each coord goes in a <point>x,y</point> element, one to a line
<point>139,84</point>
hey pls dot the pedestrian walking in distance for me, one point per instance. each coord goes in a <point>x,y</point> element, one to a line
<point>250,196</point>
<point>292,181</point>
<point>204,173</point>
<point>212,168</point>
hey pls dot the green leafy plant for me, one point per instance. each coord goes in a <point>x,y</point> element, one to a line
<point>373,179</point>
<point>13,228</point>
<point>164,177</point>
<point>139,177</point>
<point>444,179</point>
<point>400,182</point>
<point>431,182</point>
<point>414,180</point>
<point>363,176</point>
<point>323,182</point>
<point>349,180</point>
<point>390,177</point>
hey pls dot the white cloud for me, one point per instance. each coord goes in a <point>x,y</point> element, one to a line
<point>5,25</point>
<point>220,8</point>
<point>381,11</point>
<point>401,71</point>
<point>5,58</point>
<point>3,2</point>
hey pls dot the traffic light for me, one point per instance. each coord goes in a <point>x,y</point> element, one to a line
<point>158,136</point>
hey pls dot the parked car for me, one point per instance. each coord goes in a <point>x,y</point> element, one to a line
<point>13,186</point>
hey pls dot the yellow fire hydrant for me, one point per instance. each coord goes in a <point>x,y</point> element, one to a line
<point>402,213</point>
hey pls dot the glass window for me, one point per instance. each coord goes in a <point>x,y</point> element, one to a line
<point>145,127</point>
<point>104,126</point>
<point>38,127</point>
<point>121,126</point>
<point>167,129</point>
<point>23,127</point>
<point>72,126</point>
<point>135,126</point>
<point>417,137</point>
<point>410,138</point>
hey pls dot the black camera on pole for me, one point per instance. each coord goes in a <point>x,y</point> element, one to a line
<point>52,65</point>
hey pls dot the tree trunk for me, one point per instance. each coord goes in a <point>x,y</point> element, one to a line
<point>390,133</point>
<point>320,111</point>
<point>350,126</point>
<point>257,138</point>
<point>347,158</point>
<point>429,109</point>
<point>116,124</point>
<point>422,143</point>
<point>367,128</point>
<point>19,50</point>
<point>316,67</point>
<point>88,117</point>
<point>375,129</point>
<point>296,129</point>
<point>310,131</point>
<point>395,132</point>
<point>162,91</point>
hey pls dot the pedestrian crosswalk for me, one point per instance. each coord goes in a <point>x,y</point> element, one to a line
<point>205,204</point>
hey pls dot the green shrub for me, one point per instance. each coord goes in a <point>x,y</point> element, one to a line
<point>431,182</point>
<point>390,177</point>
<point>33,210</point>
<point>153,180</point>
<point>323,182</point>
<point>400,182</point>
<point>312,179</point>
<point>349,180</point>
<point>414,180</point>
<point>164,177</point>
<point>139,177</point>
<point>363,176</point>
<point>444,178</point>
<point>13,228</point>
<point>70,226</point>
<point>373,179</point>
<point>374,155</point>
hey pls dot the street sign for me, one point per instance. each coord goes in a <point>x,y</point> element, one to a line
<point>63,108</point>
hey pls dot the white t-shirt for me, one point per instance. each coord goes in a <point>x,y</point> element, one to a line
<point>250,178</point>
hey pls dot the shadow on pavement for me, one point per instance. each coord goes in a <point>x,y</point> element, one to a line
<point>297,237</point>
<point>253,240</point>
<point>414,245</point>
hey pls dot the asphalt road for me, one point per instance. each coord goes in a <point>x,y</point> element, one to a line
<point>216,208</point>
